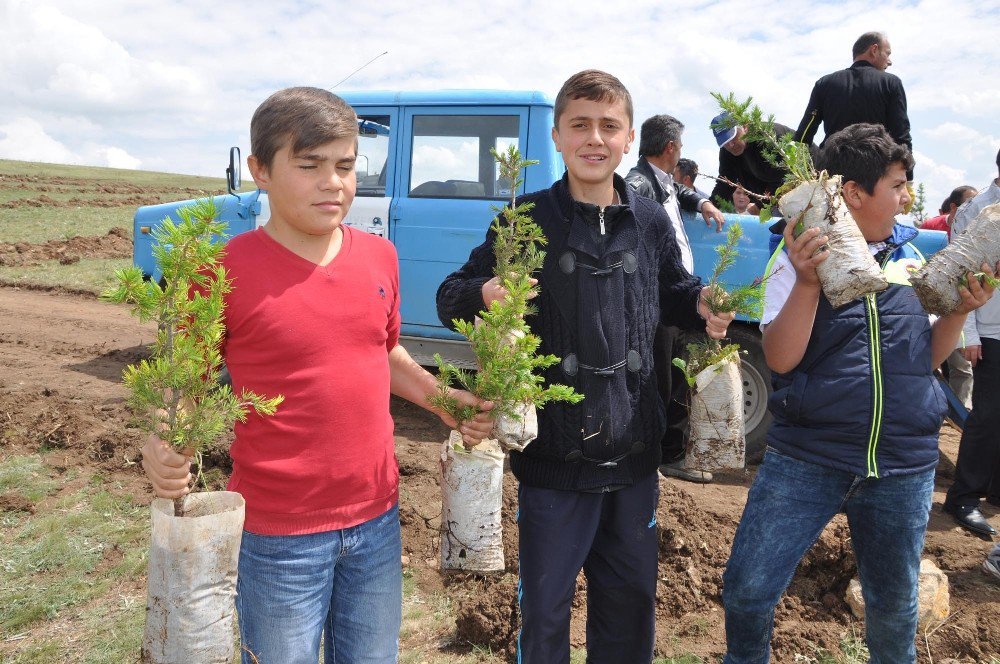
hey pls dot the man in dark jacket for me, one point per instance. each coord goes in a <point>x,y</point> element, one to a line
<point>863,92</point>
<point>659,151</point>
<point>743,163</point>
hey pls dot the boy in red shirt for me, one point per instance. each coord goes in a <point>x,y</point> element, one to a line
<point>314,315</point>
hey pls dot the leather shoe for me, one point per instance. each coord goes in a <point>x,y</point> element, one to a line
<point>970,518</point>
<point>680,470</point>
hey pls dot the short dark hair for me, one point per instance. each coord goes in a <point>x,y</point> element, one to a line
<point>656,132</point>
<point>998,160</point>
<point>866,41</point>
<point>958,196</point>
<point>301,117</point>
<point>592,85</point>
<point>862,153</point>
<point>688,167</point>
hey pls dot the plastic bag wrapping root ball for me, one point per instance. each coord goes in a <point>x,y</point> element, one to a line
<point>192,579</point>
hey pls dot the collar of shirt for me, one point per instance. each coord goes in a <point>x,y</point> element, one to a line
<point>665,179</point>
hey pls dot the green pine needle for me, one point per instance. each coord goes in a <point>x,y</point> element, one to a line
<point>504,345</point>
<point>175,393</point>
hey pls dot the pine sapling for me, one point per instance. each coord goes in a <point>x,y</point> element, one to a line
<point>505,347</point>
<point>712,371</point>
<point>745,300</point>
<point>176,394</point>
<point>812,199</point>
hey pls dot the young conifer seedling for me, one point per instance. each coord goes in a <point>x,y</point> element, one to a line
<point>811,199</point>
<point>176,394</point>
<point>745,300</point>
<point>504,345</point>
<point>713,372</point>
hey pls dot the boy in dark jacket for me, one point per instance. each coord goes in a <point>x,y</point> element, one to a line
<point>856,416</point>
<point>588,484</point>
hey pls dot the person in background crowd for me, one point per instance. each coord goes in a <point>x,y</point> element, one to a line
<point>741,202</point>
<point>958,368</point>
<point>979,451</point>
<point>863,92</point>
<point>744,163</point>
<point>949,207</point>
<point>659,156</point>
<point>686,172</point>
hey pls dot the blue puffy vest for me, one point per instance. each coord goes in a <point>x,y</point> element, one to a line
<point>864,399</point>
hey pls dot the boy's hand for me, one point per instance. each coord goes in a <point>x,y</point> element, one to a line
<point>715,324</point>
<point>978,292</point>
<point>805,252</point>
<point>473,431</point>
<point>973,354</point>
<point>493,290</point>
<point>169,472</point>
<point>711,213</point>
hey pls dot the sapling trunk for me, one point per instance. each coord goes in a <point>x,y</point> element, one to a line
<point>937,282</point>
<point>850,271</point>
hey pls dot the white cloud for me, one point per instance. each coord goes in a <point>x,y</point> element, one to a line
<point>118,158</point>
<point>25,139</point>
<point>174,84</point>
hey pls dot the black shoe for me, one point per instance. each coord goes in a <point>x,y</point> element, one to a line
<point>970,518</point>
<point>993,500</point>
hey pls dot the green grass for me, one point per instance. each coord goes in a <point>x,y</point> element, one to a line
<point>51,558</point>
<point>148,179</point>
<point>89,274</point>
<point>26,476</point>
<point>62,183</point>
<point>35,225</point>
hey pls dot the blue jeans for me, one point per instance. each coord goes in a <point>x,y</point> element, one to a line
<point>345,585</point>
<point>790,503</point>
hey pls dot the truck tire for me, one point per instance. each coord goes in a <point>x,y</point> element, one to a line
<point>756,390</point>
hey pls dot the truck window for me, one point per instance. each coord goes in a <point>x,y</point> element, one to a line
<point>451,155</point>
<point>373,150</point>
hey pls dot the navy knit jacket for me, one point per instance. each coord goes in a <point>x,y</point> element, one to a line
<point>601,298</point>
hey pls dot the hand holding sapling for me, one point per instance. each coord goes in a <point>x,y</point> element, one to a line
<point>814,200</point>
<point>503,343</point>
<point>176,393</point>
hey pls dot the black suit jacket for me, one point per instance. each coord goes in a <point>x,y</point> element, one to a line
<point>860,93</point>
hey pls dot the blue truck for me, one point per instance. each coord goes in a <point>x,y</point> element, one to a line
<point>428,183</point>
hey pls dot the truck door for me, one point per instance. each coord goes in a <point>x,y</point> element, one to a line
<point>448,184</point>
<point>376,170</point>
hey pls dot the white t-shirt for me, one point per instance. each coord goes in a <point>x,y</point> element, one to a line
<point>781,278</point>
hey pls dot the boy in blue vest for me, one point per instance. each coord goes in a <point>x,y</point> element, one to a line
<point>856,415</point>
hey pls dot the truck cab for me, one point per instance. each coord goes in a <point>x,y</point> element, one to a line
<point>428,183</point>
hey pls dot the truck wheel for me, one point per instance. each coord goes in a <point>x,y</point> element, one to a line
<point>756,390</point>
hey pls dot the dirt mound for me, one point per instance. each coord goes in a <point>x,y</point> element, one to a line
<point>116,244</point>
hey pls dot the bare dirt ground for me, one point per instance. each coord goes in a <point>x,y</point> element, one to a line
<point>117,243</point>
<point>61,357</point>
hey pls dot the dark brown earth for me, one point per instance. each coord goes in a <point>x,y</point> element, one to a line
<point>117,243</point>
<point>61,357</point>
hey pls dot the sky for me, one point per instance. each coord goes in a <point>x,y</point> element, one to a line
<point>169,86</point>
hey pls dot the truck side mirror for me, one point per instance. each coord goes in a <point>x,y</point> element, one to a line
<point>233,180</point>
